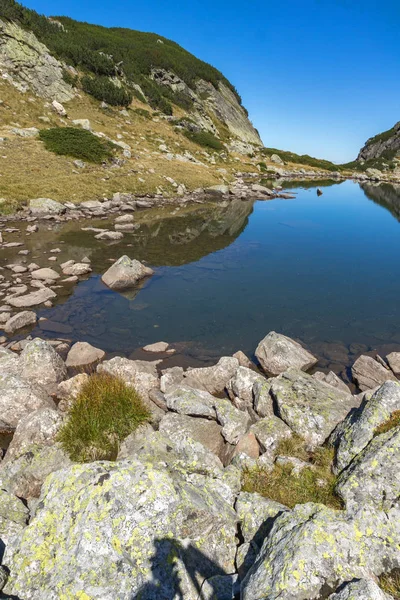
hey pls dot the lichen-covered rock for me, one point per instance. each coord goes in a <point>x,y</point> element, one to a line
<point>277,353</point>
<point>200,430</point>
<point>256,516</point>
<point>313,549</point>
<point>234,422</point>
<point>263,404</point>
<point>212,379</point>
<point>373,477</point>
<point>124,530</point>
<point>25,475</point>
<point>44,206</point>
<point>188,401</point>
<point>359,427</point>
<point>240,387</point>
<point>39,428</point>
<point>18,398</point>
<point>39,362</point>
<point>14,516</point>
<point>362,589</point>
<point>369,373</point>
<point>171,378</point>
<point>125,273</point>
<point>311,408</point>
<point>269,431</point>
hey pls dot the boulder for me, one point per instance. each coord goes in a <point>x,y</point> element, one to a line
<point>19,321</point>
<point>212,379</point>
<point>359,427</point>
<point>313,549</point>
<point>125,273</point>
<point>269,432</point>
<point>263,404</point>
<point>362,589</point>
<point>394,362</point>
<point>38,428</point>
<point>33,299</point>
<point>18,398</point>
<point>188,401</point>
<point>331,379</point>
<point>261,189</point>
<point>58,108</point>
<point>256,516</point>
<point>39,362</point>
<point>312,409</point>
<point>68,390</point>
<point>277,353</point>
<point>200,430</point>
<point>83,356</point>
<point>110,235</point>
<point>240,387</point>
<point>45,274</point>
<point>368,373</point>
<point>149,527</point>
<point>14,516</point>
<point>373,477</point>
<point>247,445</point>
<point>9,362</point>
<point>84,123</point>
<point>76,269</point>
<point>171,378</point>
<point>45,206</point>
<point>235,423</point>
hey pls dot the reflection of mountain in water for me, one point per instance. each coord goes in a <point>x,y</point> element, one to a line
<point>169,237</point>
<point>384,194</point>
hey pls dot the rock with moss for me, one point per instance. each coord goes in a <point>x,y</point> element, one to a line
<point>19,398</point>
<point>313,549</point>
<point>277,353</point>
<point>263,404</point>
<point>123,530</point>
<point>373,477</point>
<point>213,379</point>
<point>240,387</point>
<point>188,401</point>
<point>359,427</point>
<point>311,408</point>
<point>235,422</point>
<point>46,206</point>
<point>270,431</point>
<point>40,363</point>
<point>14,516</point>
<point>362,589</point>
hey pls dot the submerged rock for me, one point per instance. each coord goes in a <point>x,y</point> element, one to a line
<point>33,299</point>
<point>277,353</point>
<point>19,321</point>
<point>125,273</point>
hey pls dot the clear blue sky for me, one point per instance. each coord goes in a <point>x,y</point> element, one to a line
<point>317,76</point>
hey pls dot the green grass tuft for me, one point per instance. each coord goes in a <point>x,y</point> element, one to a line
<point>105,412</point>
<point>205,139</point>
<point>390,583</point>
<point>78,143</point>
<point>391,423</point>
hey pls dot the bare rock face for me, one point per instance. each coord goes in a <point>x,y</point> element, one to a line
<point>29,65</point>
<point>277,353</point>
<point>375,146</point>
<point>125,274</point>
<point>368,373</point>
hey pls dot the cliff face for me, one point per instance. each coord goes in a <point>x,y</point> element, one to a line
<point>385,145</point>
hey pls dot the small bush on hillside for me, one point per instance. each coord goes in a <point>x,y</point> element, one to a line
<point>315,483</point>
<point>391,423</point>
<point>69,78</point>
<point>142,112</point>
<point>78,143</point>
<point>103,89</point>
<point>390,583</point>
<point>105,412</point>
<point>205,139</point>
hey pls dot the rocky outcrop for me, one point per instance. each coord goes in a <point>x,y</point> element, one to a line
<point>378,145</point>
<point>28,64</point>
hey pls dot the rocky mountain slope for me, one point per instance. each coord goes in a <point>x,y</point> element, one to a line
<point>385,145</point>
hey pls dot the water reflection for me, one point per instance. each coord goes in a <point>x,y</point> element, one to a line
<point>384,194</point>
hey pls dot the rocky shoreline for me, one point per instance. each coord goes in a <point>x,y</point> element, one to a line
<point>170,515</point>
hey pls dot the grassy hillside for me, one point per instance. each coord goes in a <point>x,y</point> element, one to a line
<point>301,159</point>
<point>101,52</point>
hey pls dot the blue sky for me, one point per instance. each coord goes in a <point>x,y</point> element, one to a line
<point>317,76</point>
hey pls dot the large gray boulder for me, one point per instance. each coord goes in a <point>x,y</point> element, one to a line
<point>373,477</point>
<point>18,398</point>
<point>124,530</point>
<point>213,379</point>
<point>240,387</point>
<point>84,356</point>
<point>188,401</point>
<point>312,409</point>
<point>256,516</point>
<point>359,427</point>
<point>362,589</point>
<point>200,430</point>
<point>312,549</point>
<point>277,353</point>
<point>369,373</point>
<point>125,273</point>
<point>235,423</point>
<point>40,363</point>
<point>270,431</point>
<point>45,206</point>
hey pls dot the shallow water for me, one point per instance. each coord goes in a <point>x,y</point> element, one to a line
<point>320,269</point>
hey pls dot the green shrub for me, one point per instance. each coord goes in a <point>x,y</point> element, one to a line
<point>206,139</point>
<point>390,583</point>
<point>104,89</point>
<point>69,78</point>
<point>315,483</point>
<point>105,412</point>
<point>142,112</point>
<point>78,143</point>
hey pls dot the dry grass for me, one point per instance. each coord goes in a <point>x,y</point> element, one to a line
<point>390,583</point>
<point>315,483</point>
<point>393,422</point>
<point>105,412</point>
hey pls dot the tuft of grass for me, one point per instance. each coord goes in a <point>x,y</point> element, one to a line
<point>105,412</point>
<point>78,143</point>
<point>390,583</point>
<point>205,139</point>
<point>315,483</point>
<point>391,423</point>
